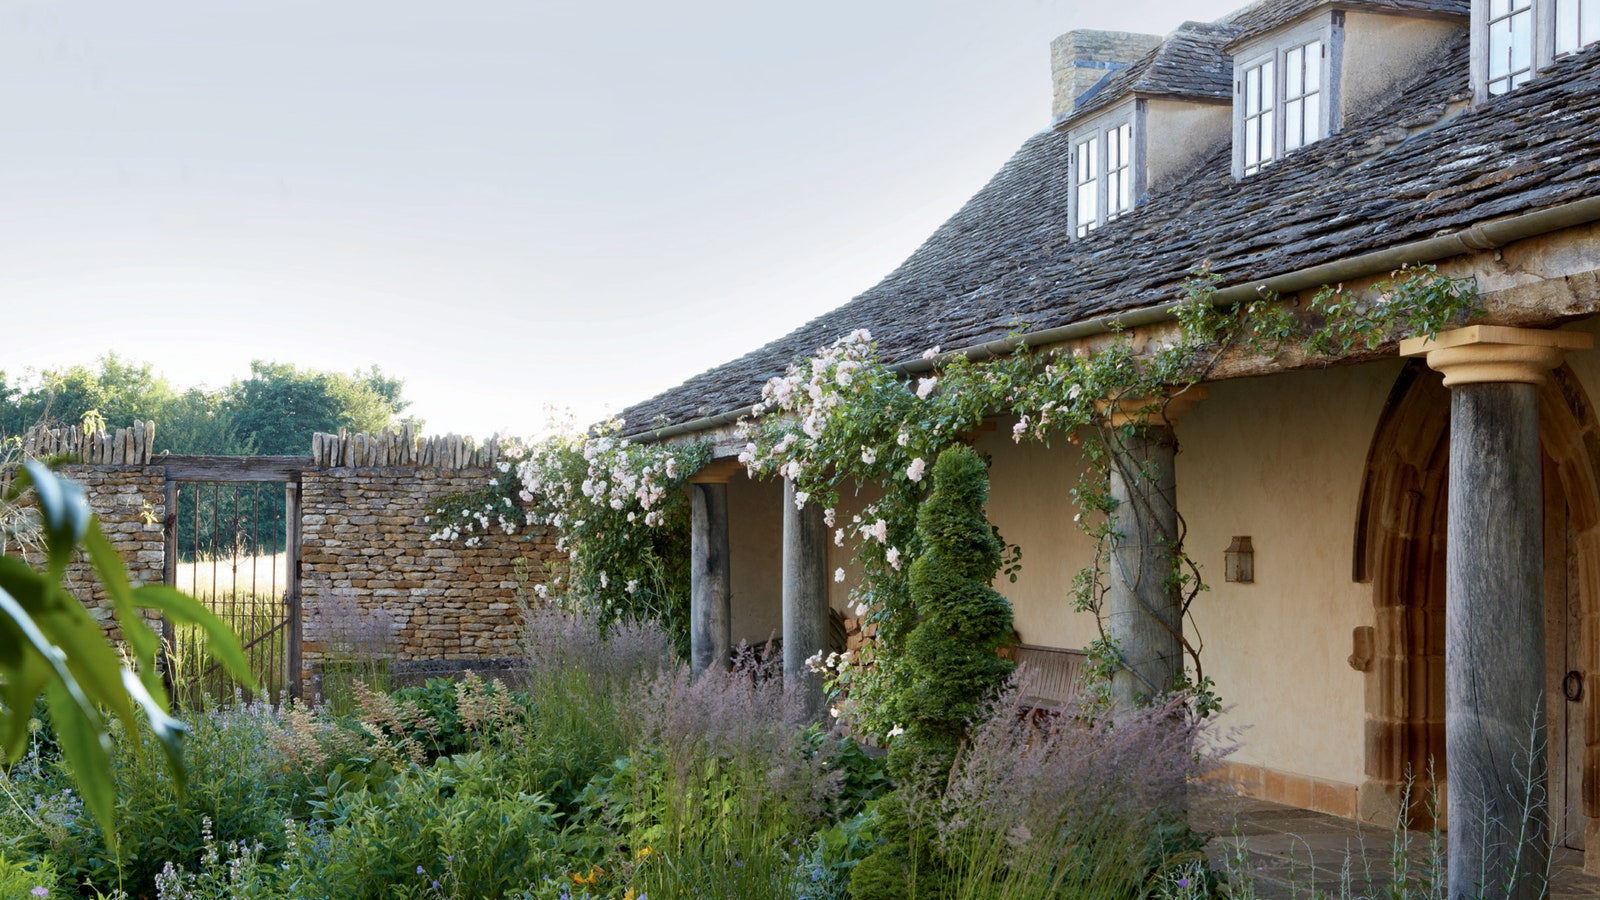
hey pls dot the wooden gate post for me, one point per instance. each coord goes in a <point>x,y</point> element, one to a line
<point>292,596</point>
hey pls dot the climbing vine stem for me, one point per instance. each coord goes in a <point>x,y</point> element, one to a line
<point>845,420</point>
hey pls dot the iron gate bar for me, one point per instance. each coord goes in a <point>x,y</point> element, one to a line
<point>285,470</point>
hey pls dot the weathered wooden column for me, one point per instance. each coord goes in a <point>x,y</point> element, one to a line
<point>1143,603</point>
<point>805,596</point>
<point>710,580</point>
<point>1494,653</point>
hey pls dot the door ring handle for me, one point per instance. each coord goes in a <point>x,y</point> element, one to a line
<point>1572,686</point>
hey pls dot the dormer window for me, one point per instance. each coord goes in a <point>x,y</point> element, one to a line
<point>1102,173</point>
<point>1513,39</point>
<point>1279,96</point>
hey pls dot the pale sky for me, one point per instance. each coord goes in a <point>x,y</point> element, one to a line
<point>511,204</point>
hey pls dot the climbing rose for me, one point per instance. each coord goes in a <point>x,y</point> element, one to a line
<point>915,470</point>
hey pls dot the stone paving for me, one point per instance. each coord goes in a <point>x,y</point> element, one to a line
<point>1296,854</point>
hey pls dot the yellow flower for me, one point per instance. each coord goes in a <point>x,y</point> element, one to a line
<point>629,895</point>
<point>643,854</point>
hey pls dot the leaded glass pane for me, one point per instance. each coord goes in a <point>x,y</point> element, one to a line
<point>1577,24</point>
<point>1087,159</point>
<point>1567,27</point>
<point>1499,49</point>
<point>1294,68</point>
<point>1521,41</point>
<point>1119,180</point>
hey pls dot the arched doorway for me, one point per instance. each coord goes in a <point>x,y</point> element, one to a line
<point>1400,551</point>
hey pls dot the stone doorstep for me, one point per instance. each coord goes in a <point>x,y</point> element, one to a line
<point>1292,852</point>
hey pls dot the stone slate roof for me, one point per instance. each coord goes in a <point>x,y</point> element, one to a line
<point>1190,62</point>
<point>1406,171</point>
<point>1269,14</point>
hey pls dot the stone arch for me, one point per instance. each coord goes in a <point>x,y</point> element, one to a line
<point>1400,551</point>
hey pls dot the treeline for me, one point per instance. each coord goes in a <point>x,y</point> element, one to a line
<point>273,412</point>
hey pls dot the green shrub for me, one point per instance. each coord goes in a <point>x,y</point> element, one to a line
<point>237,780</point>
<point>451,829</point>
<point>35,878</point>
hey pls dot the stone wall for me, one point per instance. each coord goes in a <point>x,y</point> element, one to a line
<point>366,560</point>
<point>131,503</point>
<point>364,540</point>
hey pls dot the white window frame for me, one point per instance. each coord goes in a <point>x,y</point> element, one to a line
<point>1270,123</point>
<point>1106,167</point>
<point>1550,29</point>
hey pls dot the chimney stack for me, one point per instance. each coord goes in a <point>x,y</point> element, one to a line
<point>1079,59</point>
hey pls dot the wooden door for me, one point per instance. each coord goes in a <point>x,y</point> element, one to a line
<point>1566,686</point>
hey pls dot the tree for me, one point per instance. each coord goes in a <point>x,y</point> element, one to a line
<point>274,411</point>
<point>118,390</point>
<point>201,422</point>
<point>279,407</point>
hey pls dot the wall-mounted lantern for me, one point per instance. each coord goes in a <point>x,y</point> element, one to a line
<point>1240,560</point>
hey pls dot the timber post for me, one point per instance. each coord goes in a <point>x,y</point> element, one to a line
<point>1495,761</point>
<point>1144,613</point>
<point>710,580</point>
<point>805,597</point>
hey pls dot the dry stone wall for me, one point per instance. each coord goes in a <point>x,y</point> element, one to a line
<point>367,565</point>
<point>131,503</point>
<point>365,542</point>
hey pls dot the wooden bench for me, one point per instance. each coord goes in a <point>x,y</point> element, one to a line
<point>1052,677</point>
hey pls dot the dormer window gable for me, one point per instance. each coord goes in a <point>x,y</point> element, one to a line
<point>1145,125</point>
<point>1298,82</point>
<point>1512,40</point>
<point>1282,99</point>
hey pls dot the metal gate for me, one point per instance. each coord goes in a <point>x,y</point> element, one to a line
<point>233,542</point>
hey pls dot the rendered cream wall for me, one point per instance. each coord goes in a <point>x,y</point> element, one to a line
<point>755,548</point>
<point>1180,135</point>
<point>755,558</point>
<point>1280,459</point>
<point>1381,51</point>
<point>1030,503</point>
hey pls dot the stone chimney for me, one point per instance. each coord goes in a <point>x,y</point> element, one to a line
<point>1079,59</point>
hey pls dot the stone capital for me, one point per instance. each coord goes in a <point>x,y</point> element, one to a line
<point>1484,354</point>
<point>1147,412</point>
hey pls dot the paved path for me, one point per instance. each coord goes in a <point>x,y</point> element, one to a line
<point>1295,854</point>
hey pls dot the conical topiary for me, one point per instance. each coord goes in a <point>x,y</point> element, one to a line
<point>954,668</point>
<point>963,622</point>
